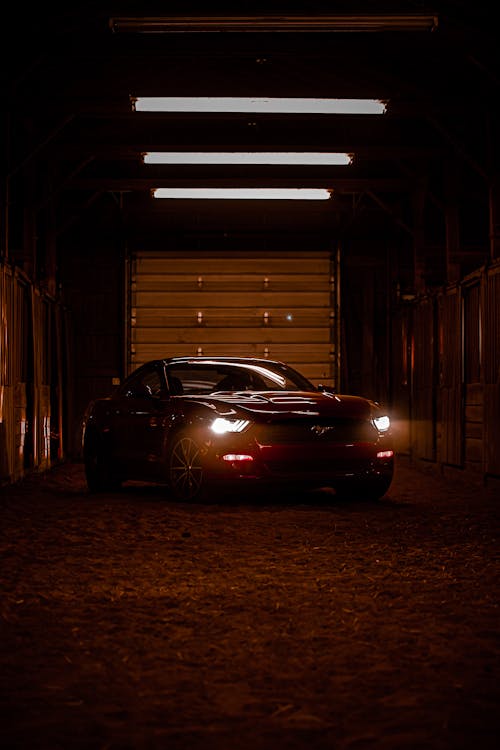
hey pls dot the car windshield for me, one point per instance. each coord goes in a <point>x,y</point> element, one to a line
<point>195,378</point>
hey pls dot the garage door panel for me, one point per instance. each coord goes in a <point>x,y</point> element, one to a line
<point>234,334</point>
<point>152,318</point>
<point>231,299</point>
<point>220,283</point>
<point>145,352</point>
<point>277,305</point>
<point>315,359</point>
<point>201,264</point>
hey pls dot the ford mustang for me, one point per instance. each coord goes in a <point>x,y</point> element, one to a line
<point>201,423</point>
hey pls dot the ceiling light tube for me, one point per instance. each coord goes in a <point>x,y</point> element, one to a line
<point>250,157</point>
<point>244,193</point>
<point>375,22</point>
<point>263,105</point>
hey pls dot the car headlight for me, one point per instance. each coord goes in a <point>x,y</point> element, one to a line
<point>382,423</point>
<point>222,425</point>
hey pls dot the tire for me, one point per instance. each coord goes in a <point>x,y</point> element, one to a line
<point>186,475</point>
<point>98,474</point>
<point>376,490</point>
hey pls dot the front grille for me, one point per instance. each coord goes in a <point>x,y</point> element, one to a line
<point>330,467</point>
<point>320,430</point>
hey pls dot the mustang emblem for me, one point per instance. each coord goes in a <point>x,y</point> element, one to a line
<point>320,429</point>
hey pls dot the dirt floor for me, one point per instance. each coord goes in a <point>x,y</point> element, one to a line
<point>131,622</point>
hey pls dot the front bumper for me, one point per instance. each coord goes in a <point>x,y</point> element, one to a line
<point>307,464</point>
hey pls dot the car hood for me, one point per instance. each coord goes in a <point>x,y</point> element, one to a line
<point>292,405</point>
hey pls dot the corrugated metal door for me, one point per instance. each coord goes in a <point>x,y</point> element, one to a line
<point>281,306</point>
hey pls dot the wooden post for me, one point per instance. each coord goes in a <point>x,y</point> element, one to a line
<point>494,196</point>
<point>419,197</point>
<point>452,222</point>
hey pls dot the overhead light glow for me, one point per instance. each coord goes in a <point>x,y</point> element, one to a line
<point>309,158</point>
<point>309,194</point>
<point>258,105</point>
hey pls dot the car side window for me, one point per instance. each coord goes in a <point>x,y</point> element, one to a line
<point>152,381</point>
<point>146,384</point>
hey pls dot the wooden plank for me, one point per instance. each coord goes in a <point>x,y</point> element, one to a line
<point>491,351</point>
<point>492,429</point>
<point>221,282</point>
<point>304,352</point>
<point>6,433</point>
<point>473,450</point>
<point>230,299</point>
<point>474,430</point>
<point>474,393</point>
<point>450,392</point>
<point>231,335</point>
<point>21,417</point>
<point>423,422</point>
<point>217,317</point>
<point>220,265</point>
<point>474,413</point>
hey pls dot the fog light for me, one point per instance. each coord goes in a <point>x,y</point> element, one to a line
<point>385,454</point>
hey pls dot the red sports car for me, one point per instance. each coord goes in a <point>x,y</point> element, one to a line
<point>197,423</point>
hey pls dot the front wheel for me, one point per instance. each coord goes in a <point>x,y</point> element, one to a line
<point>185,468</point>
<point>98,473</point>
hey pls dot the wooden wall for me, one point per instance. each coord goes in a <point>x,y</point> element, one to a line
<point>454,394</point>
<point>31,377</point>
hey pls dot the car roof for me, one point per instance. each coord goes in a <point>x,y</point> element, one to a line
<point>222,359</point>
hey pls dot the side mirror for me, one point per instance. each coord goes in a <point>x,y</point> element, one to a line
<point>326,388</point>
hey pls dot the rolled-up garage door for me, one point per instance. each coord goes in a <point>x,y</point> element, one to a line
<point>277,306</point>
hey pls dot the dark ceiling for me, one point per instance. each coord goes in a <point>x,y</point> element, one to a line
<point>71,127</point>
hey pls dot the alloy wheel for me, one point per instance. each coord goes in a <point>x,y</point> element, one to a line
<point>186,469</point>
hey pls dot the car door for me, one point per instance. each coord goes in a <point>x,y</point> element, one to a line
<point>142,417</point>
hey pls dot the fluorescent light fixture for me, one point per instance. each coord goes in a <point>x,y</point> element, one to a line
<point>250,157</point>
<point>379,22</point>
<point>285,105</point>
<point>309,194</point>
